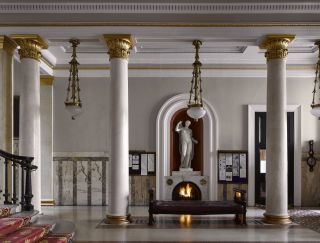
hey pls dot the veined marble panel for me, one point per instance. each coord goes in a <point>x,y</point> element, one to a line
<point>82,183</point>
<point>81,180</point>
<point>310,185</point>
<point>56,187</point>
<point>67,183</point>
<point>96,183</point>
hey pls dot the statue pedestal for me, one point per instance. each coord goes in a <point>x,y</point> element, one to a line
<point>186,172</point>
<point>185,169</point>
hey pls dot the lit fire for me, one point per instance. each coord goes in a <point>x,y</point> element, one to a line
<point>185,191</point>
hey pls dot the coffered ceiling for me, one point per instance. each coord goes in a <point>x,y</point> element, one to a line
<point>164,30</point>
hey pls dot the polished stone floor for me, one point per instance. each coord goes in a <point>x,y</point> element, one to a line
<point>87,220</point>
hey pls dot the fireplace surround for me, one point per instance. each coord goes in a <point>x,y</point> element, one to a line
<point>207,182</point>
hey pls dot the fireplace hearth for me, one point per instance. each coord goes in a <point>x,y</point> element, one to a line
<point>186,190</point>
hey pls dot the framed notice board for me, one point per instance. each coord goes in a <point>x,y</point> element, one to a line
<point>232,166</point>
<point>142,163</point>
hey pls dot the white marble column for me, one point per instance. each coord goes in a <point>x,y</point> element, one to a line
<point>29,126</point>
<point>7,47</point>
<point>46,83</point>
<point>277,162</point>
<point>119,46</point>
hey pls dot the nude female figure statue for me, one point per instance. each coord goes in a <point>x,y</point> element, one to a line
<point>186,144</point>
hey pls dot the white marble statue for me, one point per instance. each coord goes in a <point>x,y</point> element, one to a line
<point>186,144</point>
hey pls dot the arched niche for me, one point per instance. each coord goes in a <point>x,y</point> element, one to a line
<point>210,143</point>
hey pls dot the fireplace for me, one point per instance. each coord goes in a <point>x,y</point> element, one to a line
<point>186,190</point>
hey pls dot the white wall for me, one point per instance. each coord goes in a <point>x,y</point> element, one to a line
<point>229,97</point>
<point>89,132</point>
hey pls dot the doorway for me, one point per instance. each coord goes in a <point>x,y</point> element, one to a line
<point>260,157</point>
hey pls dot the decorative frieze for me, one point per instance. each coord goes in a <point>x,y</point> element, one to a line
<point>161,8</point>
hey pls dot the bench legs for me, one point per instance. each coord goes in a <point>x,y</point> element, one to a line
<point>151,219</point>
<point>240,219</point>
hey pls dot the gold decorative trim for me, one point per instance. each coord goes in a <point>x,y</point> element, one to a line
<point>30,45</point>
<point>289,67</point>
<point>119,45</point>
<point>50,65</point>
<point>7,44</point>
<point>46,80</point>
<point>48,202</point>
<point>118,220</point>
<point>273,219</point>
<point>276,45</point>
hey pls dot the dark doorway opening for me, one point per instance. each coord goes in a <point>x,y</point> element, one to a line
<point>261,160</point>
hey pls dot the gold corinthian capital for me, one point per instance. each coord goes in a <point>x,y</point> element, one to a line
<point>276,45</point>
<point>7,44</point>
<point>30,46</point>
<point>119,45</point>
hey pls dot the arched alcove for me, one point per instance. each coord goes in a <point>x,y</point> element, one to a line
<point>210,143</point>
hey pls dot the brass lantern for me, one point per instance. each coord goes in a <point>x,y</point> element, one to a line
<point>73,101</point>
<point>195,104</point>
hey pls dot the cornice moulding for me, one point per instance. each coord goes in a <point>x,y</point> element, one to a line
<point>161,8</point>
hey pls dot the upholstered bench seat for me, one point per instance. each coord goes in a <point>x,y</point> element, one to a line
<point>237,207</point>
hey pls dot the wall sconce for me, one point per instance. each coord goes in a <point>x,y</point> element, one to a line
<point>311,160</point>
<point>73,101</point>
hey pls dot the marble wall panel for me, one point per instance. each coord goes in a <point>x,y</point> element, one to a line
<point>56,187</point>
<point>82,183</point>
<point>66,183</point>
<point>96,183</point>
<point>310,185</point>
<point>81,180</point>
<point>108,183</point>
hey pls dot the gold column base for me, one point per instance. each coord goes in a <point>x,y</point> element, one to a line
<point>48,202</point>
<point>274,219</point>
<point>118,220</point>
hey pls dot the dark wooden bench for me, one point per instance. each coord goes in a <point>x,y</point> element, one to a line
<point>238,207</point>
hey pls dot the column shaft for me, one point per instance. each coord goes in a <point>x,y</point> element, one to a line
<point>7,47</point>
<point>277,165</point>
<point>29,125</point>
<point>119,193</point>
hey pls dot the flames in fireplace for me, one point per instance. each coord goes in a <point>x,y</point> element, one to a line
<point>185,191</point>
